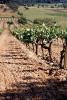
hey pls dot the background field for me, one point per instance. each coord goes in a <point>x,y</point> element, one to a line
<point>59,14</point>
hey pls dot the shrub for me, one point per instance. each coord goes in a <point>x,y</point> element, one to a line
<point>20,14</point>
<point>42,5</point>
<point>9,22</point>
<point>33,4</point>
<point>26,7</point>
<point>38,6</point>
<point>52,6</point>
<point>22,20</point>
<point>12,16</point>
<point>64,5</point>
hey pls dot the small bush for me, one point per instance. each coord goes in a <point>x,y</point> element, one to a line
<point>26,7</point>
<point>9,22</point>
<point>38,6</point>
<point>64,5</point>
<point>22,20</point>
<point>52,6</point>
<point>42,5</point>
<point>20,14</point>
<point>37,21</point>
<point>33,4</point>
<point>12,16</point>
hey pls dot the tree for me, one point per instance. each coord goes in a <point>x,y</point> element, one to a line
<point>65,55</point>
<point>63,35</point>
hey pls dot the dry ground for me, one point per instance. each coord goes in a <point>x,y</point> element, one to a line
<point>18,66</point>
<point>23,76</point>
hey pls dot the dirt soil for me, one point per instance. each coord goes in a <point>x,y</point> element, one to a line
<point>23,76</point>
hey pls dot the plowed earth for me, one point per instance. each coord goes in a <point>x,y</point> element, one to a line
<point>23,76</point>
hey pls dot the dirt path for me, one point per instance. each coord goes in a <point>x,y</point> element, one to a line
<point>18,66</point>
<point>22,75</point>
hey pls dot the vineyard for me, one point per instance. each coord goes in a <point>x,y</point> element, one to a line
<point>33,59</point>
<point>43,36</point>
<point>23,74</point>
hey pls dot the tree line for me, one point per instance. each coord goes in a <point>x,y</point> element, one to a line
<point>33,1</point>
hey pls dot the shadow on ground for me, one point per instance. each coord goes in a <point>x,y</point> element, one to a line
<point>49,90</point>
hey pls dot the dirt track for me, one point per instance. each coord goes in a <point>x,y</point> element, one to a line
<point>22,76</point>
<point>18,69</point>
